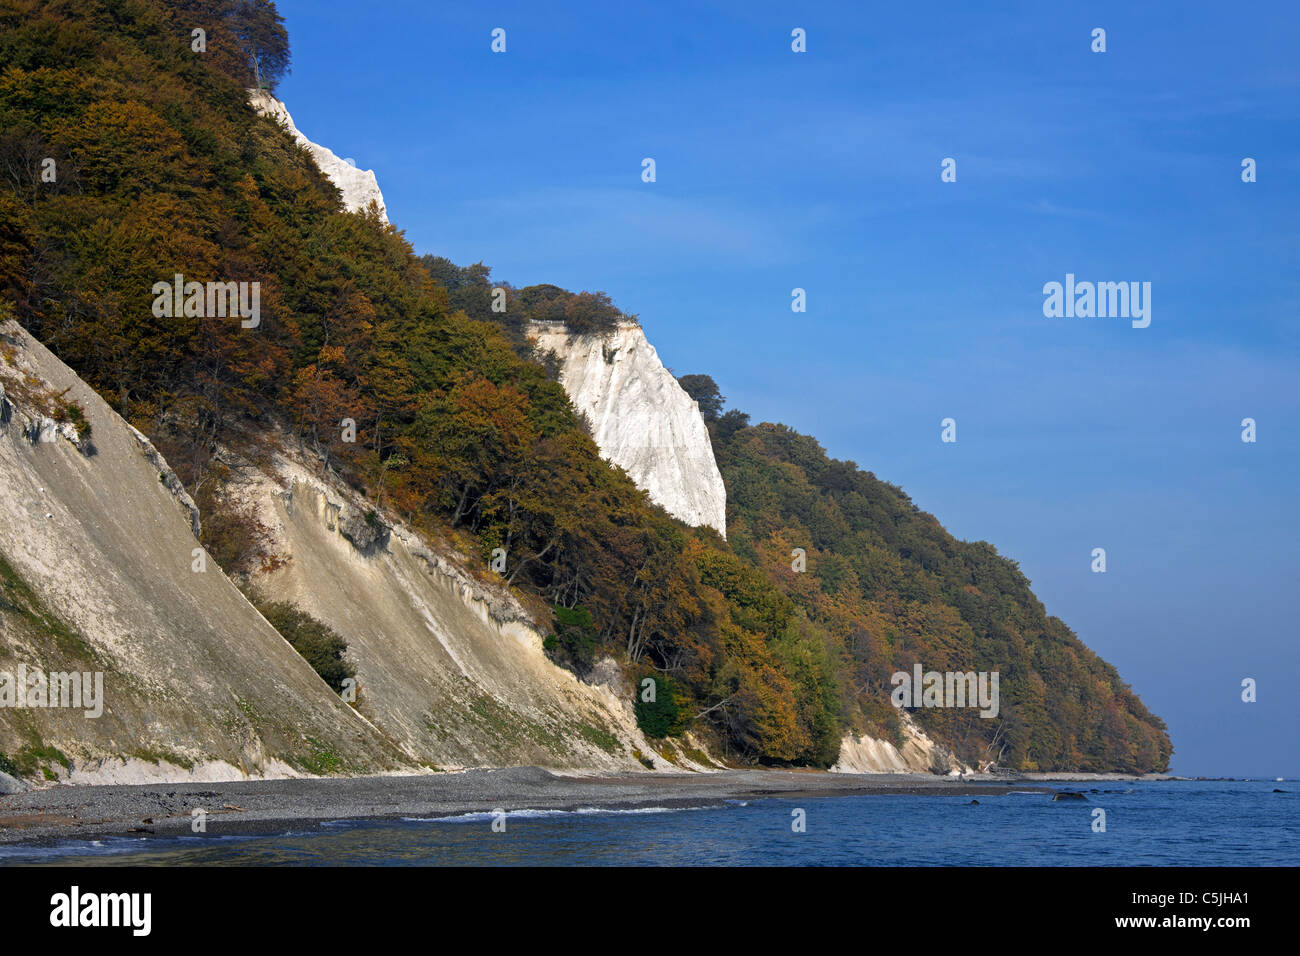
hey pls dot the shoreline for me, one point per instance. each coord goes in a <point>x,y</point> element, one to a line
<point>261,807</point>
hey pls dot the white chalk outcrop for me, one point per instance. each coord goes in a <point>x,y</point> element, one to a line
<point>358,186</point>
<point>919,754</point>
<point>641,418</point>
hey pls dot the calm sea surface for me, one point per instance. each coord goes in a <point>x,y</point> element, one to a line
<point>1168,823</point>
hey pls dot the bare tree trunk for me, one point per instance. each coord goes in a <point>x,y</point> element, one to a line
<point>722,703</point>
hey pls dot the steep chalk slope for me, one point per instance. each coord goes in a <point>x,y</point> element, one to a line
<point>97,573</point>
<point>919,754</point>
<point>449,667</point>
<point>641,418</point>
<point>358,186</point>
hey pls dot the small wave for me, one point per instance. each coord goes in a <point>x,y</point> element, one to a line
<point>537,814</point>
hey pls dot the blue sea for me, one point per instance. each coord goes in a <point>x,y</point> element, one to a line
<point>1177,823</point>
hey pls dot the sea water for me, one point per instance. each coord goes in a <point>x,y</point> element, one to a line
<point>1192,823</point>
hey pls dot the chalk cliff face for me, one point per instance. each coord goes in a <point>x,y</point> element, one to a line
<point>449,666</point>
<point>358,186</point>
<point>100,572</point>
<point>641,419</point>
<point>919,754</point>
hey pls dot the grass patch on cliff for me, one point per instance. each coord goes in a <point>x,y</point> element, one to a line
<point>505,727</point>
<point>695,754</point>
<point>161,756</point>
<point>40,398</point>
<point>323,759</point>
<point>34,756</point>
<point>33,759</point>
<point>599,737</point>
<point>18,599</point>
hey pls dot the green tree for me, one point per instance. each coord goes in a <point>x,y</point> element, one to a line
<point>704,390</point>
<point>259,32</point>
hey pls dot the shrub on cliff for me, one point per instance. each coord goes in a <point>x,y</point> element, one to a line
<point>704,390</point>
<point>319,644</point>
<point>574,640</point>
<point>662,716</point>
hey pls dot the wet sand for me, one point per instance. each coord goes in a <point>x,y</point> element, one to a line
<point>275,806</point>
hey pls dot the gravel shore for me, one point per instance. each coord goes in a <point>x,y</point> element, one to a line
<point>272,806</point>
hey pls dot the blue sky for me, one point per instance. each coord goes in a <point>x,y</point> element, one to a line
<point>821,170</point>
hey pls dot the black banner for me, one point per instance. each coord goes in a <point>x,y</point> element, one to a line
<point>334,905</point>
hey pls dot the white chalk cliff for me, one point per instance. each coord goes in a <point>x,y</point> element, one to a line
<point>918,754</point>
<point>641,418</point>
<point>101,571</point>
<point>449,667</point>
<point>358,186</point>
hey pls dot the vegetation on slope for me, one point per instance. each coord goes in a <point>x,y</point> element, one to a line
<point>472,290</point>
<point>164,169</point>
<point>894,589</point>
<point>26,624</point>
<point>317,642</point>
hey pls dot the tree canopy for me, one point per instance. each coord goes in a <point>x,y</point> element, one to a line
<point>704,390</point>
<point>259,31</point>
